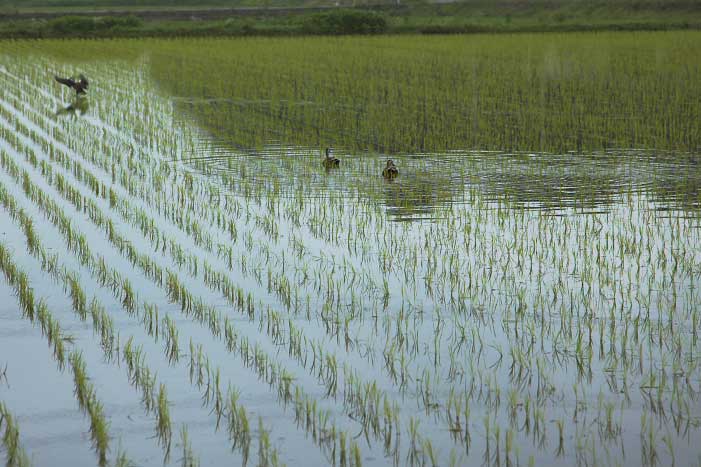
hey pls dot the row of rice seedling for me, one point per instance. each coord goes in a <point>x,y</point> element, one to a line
<point>74,198</point>
<point>140,376</point>
<point>166,326</point>
<point>352,398</point>
<point>111,199</point>
<point>36,310</point>
<point>150,223</point>
<point>177,291</point>
<point>138,373</point>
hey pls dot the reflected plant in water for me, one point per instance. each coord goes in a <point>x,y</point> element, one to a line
<point>14,453</point>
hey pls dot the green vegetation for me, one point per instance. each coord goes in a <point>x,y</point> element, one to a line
<point>344,22</point>
<point>83,25</point>
<point>546,15</point>
<point>49,19</point>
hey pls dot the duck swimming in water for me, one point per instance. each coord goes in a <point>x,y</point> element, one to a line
<point>80,86</point>
<point>390,171</point>
<point>330,161</point>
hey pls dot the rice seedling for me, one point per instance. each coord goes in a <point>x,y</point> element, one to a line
<point>122,460</point>
<point>188,459</point>
<point>15,455</point>
<point>3,376</point>
<point>140,375</point>
<point>163,429</point>
<point>88,402</point>
<point>84,390</point>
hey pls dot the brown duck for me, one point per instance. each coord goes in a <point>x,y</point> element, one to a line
<point>390,171</point>
<point>80,86</point>
<point>330,161</point>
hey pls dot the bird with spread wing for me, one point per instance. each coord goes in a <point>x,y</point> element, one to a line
<point>80,86</point>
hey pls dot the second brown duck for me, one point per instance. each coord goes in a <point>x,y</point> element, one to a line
<point>330,161</point>
<point>390,171</point>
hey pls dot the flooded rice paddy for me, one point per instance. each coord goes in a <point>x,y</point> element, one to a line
<point>173,296</point>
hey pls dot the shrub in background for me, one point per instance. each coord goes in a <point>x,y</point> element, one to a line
<point>344,22</point>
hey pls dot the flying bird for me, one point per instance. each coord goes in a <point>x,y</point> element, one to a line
<point>80,86</point>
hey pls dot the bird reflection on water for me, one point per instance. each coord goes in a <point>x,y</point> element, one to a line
<point>79,106</point>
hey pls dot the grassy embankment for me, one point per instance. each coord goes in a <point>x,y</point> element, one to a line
<point>126,18</point>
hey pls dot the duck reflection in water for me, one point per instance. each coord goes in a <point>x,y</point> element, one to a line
<point>78,107</point>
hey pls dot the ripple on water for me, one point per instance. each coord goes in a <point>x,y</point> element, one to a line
<point>430,183</point>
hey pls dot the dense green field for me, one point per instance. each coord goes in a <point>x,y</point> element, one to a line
<point>571,92</point>
<point>182,281</point>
